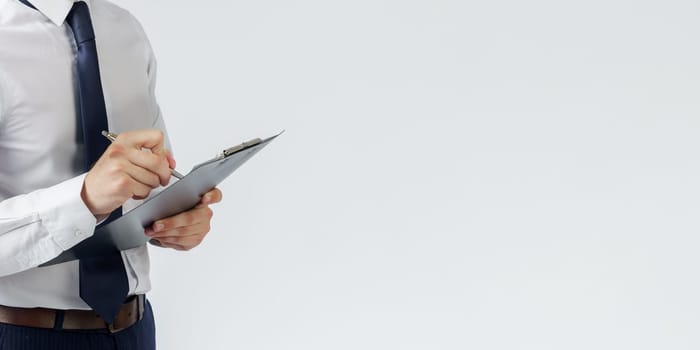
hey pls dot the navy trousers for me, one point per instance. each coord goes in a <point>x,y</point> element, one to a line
<point>140,336</point>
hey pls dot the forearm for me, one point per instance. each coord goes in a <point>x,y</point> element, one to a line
<point>38,226</point>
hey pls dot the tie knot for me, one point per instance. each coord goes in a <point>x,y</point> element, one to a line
<point>81,24</point>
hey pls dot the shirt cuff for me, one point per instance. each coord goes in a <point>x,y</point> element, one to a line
<point>64,214</point>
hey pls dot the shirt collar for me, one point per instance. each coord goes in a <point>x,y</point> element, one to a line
<point>55,10</point>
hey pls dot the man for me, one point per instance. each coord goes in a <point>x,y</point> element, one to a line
<point>67,70</point>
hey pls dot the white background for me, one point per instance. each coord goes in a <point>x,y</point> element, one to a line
<point>454,174</point>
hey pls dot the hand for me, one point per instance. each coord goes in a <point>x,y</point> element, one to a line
<point>126,171</point>
<point>186,230</point>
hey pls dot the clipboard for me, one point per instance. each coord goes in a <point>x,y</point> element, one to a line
<point>127,231</point>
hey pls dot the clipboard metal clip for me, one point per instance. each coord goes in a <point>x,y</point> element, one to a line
<point>231,150</point>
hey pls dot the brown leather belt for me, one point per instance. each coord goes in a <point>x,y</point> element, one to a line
<point>130,312</point>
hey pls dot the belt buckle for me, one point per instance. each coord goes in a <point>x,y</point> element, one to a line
<point>112,329</point>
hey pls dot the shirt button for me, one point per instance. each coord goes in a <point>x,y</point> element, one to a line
<point>77,232</point>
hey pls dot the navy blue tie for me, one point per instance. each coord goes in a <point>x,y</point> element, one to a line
<point>103,281</point>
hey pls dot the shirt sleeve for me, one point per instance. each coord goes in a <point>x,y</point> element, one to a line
<point>38,226</point>
<point>152,72</point>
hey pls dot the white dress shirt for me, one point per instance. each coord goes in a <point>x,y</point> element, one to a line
<point>41,175</point>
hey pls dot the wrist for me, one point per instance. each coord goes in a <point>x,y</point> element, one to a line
<point>89,204</point>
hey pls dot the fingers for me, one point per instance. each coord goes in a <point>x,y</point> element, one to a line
<point>171,160</point>
<point>211,197</point>
<point>167,245</point>
<point>192,217</point>
<point>153,163</point>
<point>129,144</point>
<point>189,236</point>
<point>175,246</point>
<point>139,190</point>
<point>186,230</point>
<point>152,139</point>
<point>183,231</point>
<point>144,167</point>
<point>143,176</point>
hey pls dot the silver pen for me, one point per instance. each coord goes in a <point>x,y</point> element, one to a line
<point>113,137</point>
